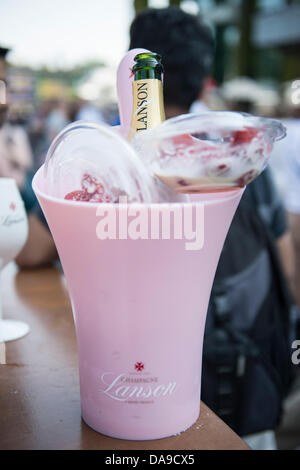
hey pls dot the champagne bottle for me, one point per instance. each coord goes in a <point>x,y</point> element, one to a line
<point>148,108</point>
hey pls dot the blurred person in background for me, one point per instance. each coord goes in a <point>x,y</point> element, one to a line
<point>46,122</point>
<point>186,69</point>
<point>37,132</point>
<point>15,162</point>
<point>253,399</point>
<point>287,169</point>
<point>15,151</point>
<point>88,112</point>
<point>242,95</point>
<point>56,119</point>
<point>286,165</point>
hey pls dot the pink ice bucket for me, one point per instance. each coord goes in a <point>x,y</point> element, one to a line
<point>139,308</point>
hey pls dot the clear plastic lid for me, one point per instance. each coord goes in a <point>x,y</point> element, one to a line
<point>209,152</point>
<point>91,162</point>
<point>215,151</point>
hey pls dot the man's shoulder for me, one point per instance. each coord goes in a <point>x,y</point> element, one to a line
<point>263,190</point>
<point>264,198</point>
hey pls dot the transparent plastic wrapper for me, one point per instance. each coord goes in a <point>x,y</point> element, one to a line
<point>90,162</point>
<point>215,151</point>
<point>211,152</point>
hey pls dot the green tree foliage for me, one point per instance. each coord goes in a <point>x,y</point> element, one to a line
<point>140,5</point>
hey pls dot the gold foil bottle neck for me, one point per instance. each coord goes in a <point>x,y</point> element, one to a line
<point>148,109</point>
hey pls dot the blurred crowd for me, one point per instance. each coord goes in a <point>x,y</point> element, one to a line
<point>49,117</point>
<point>275,196</point>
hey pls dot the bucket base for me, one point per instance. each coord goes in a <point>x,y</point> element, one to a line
<point>142,435</point>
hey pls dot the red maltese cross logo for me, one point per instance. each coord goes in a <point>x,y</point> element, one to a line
<point>139,366</point>
<point>12,206</point>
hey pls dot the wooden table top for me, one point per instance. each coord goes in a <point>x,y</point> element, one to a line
<point>39,385</point>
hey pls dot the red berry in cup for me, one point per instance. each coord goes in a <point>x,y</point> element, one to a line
<point>182,182</point>
<point>246,178</point>
<point>91,184</point>
<point>243,136</point>
<point>92,191</point>
<point>77,196</point>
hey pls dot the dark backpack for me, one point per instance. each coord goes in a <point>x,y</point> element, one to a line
<point>247,367</point>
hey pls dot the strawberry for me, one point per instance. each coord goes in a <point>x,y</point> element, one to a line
<point>243,136</point>
<point>247,178</point>
<point>92,191</point>
<point>77,196</point>
<point>96,197</point>
<point>91,185</point>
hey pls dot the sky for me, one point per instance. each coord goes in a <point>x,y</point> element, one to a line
<point>63,33</point>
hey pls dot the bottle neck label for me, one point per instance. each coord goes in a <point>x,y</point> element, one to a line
<point>148,107</point>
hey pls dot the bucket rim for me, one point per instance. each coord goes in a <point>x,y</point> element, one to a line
<point>227,195</point>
